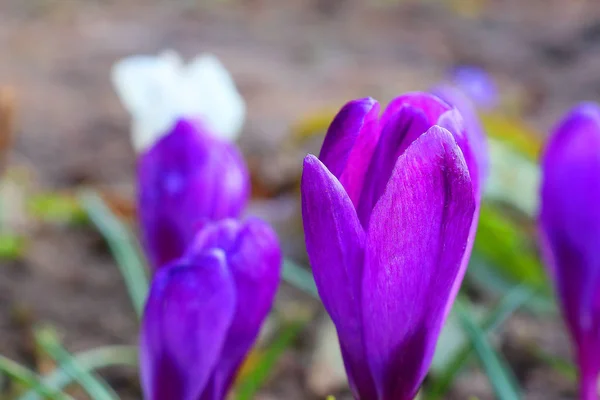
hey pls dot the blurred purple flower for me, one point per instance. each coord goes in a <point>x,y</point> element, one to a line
<point>388,212</point>
<point>205,310</point>
<point>477,84</point>
<point>569,224</point>
<point>185,179</point>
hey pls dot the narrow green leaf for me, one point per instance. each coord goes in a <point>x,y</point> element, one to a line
<point>255,379</point>
<point>122,245</point>
<point>499,374</point>
<point>507,306</point>
<point>90,360</point>
<point>299,277</point>
<point>94,386</point>
<point>30,380</point>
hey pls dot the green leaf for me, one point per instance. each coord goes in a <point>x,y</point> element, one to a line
<point>299,277</point>
<point>94,386</point>
<point>90,360</point>
<point>30,380</point>
<point>247,388</point>
<point>499,374</point>
<point>505,244</point>
<point>122,245</point>
<point>507,306</point>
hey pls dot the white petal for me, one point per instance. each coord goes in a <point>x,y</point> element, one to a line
<point>209,92</point>
<point>159,90</point>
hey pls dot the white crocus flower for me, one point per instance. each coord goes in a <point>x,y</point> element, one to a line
<point>159,90</point>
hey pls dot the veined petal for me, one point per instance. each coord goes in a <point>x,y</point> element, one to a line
<point>399,131</point>
<point>415,244</point>
<point>473,141</point>
<point>254,259</point>
<point>189,310</point>
<point>430,105</point>
<point>570,226</point>
<point>335,245</point>
<point>185,179</point>
<point>350,142</point>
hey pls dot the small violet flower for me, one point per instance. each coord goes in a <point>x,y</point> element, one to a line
<point>205,309</point>
<point>389,211</point>
<point>569,224</point>
<point>188,171</point>
<point>477,85</point>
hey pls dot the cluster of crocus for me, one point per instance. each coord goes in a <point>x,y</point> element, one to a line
<point>569,224</point>
<point>215,276</point>
<point>389,209</point>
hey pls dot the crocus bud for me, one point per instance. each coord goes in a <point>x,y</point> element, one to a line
<point>205,310</point>
<point>160,90</point>
<point>388,210</point>
<point>187,178</point>
<point>569,225</point>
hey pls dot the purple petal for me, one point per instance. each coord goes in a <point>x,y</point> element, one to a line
<point>477,84</point>
<point>350,142</point>
<point>570,226</point>
<point>335,246</point>
<point>415,245</point>
<point>473,141</point>
<point>429,104</point>
<point>187,315</point>
<point>399,131</point>
<point>185,179</point>
<point>254,258</point>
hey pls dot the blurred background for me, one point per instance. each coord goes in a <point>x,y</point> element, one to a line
<point>295,62</point>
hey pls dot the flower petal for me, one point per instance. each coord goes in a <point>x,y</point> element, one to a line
<point>430,105</point>
<point>335,246</point>
<point>188,177</point>
<point>399,131</point>
<point>415,244</point>
<point>189,310</point>
<point>208,91</point>
<point>570,225</point>
<point>147,86</point>
<point>350,142</point>
<point>473,141</point>
<point>254,258</point>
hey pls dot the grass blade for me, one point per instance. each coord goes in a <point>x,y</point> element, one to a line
<point>30,380</point>
<point>507,306</point>
<point>499,374</point>
<point>122,246</point>
<point>299,277</point>
<point>90,360</point>
<point>94,386</point>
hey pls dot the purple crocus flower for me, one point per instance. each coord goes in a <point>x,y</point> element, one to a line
<point>186,178</point>
<point>388,210</point>
<point>569,224</point>
<point>205,310</point>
